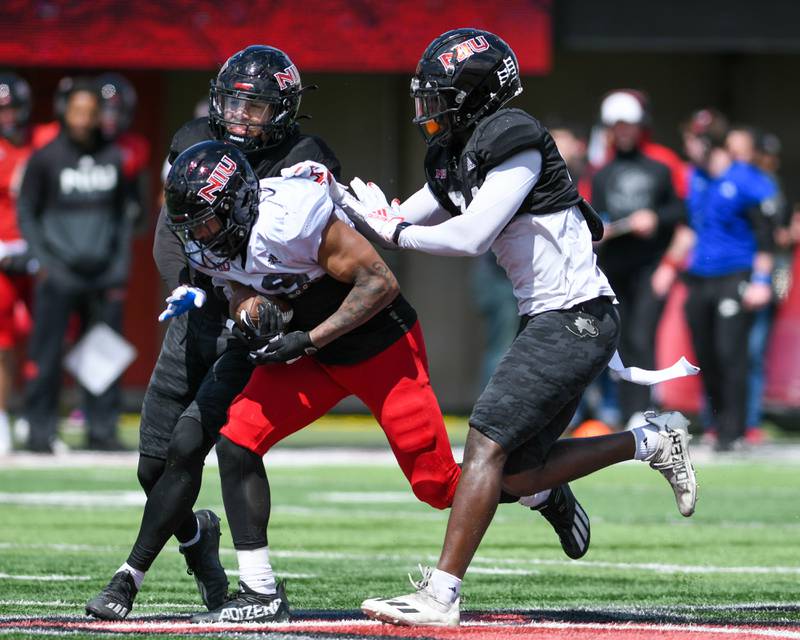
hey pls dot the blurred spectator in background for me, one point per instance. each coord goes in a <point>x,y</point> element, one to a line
<point>752,146</point>
<point>72,214</point>
<point>118,108</point>
<point>15,148</point>
<point>731,207</point>
<point>635,196</point>
<point>572,142</point>
<point>494,298</point>
<point>600,400</point>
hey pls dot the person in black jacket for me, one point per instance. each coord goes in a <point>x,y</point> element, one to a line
<point>253,103</point>
<point>72,214</point>
<point>635,196</point>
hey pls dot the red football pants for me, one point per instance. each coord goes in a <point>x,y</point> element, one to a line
<point>281,399</point>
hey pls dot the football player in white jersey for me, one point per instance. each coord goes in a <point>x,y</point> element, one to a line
<point>351,332</point>
<point>495,180</point>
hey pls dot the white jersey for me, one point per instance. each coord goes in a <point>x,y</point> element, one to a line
<point>550,261</point>
<point>282,252</point>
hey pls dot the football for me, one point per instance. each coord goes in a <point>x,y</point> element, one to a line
<point>245,300</point>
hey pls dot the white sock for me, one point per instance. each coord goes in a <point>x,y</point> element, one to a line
<point>255,570</point>
<point>136,574</point>
<point>446,588</point>
<point>647,440</point>
<point>194,540</point>
<point>536,500</point>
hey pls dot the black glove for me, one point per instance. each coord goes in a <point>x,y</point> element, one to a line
<point>284,348</point>
<point>257,335</point>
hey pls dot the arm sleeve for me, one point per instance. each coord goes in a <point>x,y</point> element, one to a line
<point>168,255</point>
<point>423,208</point>
<point>499,198</point>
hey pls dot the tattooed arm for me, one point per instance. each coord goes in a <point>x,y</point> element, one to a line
<point>347,256</point>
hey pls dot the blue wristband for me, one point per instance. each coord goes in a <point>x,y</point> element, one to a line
<point>761,278</point>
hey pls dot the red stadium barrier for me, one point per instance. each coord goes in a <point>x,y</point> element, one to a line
<point>326,35</point>
<point>782,384</point>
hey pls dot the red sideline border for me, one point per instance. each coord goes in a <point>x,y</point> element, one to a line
<point>474,627</point>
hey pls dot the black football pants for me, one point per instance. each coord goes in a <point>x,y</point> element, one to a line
<point>53,305</point>
<point>720,328</point>
<point>200,370</point>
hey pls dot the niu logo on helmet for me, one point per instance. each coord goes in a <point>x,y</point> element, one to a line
<point>289,76</point>
<point>462,51</point>
<point>217,180</point>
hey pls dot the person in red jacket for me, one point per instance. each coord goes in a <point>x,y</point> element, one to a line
<point>17,142</point>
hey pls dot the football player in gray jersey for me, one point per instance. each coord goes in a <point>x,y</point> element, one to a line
<point>495,180</point>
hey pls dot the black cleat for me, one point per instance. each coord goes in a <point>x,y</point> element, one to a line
<point>249,606</point>
<point>569,520</point>
<point>115,601</point>
<point>202,561</point>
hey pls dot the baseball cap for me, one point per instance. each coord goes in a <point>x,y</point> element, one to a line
<point>621,106</point>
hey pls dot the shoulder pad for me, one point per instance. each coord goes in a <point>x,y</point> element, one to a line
<point>306,207</point>
<point>190,133</point>
<point>504,134</point>
<point>313,148</point>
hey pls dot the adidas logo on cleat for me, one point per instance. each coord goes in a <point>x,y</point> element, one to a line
<point>117,608</point>
<point>249,612</point>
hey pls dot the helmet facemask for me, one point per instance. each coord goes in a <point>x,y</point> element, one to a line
<point>434,109</point>
<point>247,119</point>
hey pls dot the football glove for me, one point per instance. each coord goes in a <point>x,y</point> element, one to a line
<point>257,334</point>
<point>318,173</point>
<point>383,218</point>
<point>181,300</point>
<point>284,348</point>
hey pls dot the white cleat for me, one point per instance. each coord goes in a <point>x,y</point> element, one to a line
<point>415,609</point>
<point>672,460</point>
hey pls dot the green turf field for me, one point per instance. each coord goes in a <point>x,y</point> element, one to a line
<point>342,533</point>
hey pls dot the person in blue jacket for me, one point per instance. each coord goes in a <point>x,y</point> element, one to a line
<point>731,206</point>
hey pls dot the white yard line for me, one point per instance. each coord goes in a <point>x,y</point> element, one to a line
<point>44,578</point>
<point>777,453</point>
<point>497,564</point>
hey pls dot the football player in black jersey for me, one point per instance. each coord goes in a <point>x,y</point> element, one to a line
<point>495,179</point>
<point>253,103</point>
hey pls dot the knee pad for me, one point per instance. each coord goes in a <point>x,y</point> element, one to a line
<point>434,480</point>
<point>149,471</point>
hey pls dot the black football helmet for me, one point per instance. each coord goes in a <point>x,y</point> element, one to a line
<point>118,104</point>
<point>211,197</point>
<point>15,94</point>
<point>463,76</point>
<point>253,101</point>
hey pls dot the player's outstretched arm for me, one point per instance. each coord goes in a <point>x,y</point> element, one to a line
<point>348,257</point>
